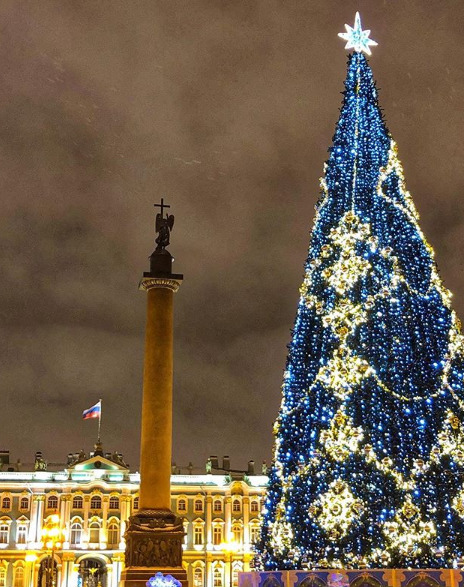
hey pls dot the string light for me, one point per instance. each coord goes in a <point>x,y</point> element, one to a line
<point>368,464</point>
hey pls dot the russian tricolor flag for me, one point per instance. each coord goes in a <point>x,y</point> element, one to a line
<point>93,412</point>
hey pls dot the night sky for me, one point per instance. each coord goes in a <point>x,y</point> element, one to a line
<point>226,109</point>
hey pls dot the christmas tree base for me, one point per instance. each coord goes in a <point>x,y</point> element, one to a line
<point>355,578</point>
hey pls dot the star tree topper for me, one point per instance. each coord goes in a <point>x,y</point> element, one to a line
<point>356,38</point>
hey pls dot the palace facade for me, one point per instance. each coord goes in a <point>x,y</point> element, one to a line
<point>90,498</point>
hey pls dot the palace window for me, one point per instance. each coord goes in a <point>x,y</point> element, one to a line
<point>114,503</point>
<point>198,577</point>
<point>217,577</point>
<point>78,503</point>
<point>52,502</point>
<point>198,536</point>
<point>2,577</point>
<point>217,535</point>
<point>182,505</point>
<point>96,503</point>
<point>113,535</point>
<point>19,577</point>
<point>198,506</point>
<point>24,503</point>
<point>76,534</point>
<point>6,503</point>
<point>217,506</point>
<point>236,506</point>
<point>254,533</point>
<point>21,534</point>
<point>237,534</point>
<point>136,503</point>
<point>4,533</point>
<point>94,533</point>
<point>236,570</point>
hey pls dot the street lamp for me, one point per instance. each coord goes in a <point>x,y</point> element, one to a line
<point>51,535</point>
<point>230,548</point>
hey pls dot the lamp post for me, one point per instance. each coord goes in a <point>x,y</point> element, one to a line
<point>229,548</point>
<point>51,535</point>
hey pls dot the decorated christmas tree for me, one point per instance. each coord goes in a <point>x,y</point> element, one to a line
<point>368,466</point>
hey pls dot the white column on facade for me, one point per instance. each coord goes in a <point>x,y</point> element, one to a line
<point>86,519</point>
<point>34,519</point>
<point>59,571</point>
<point>125,509</point>
<point>118,560</point>
<point>35,574</point>
<point>67,569</point>
<point>65,508</point>
<point>209,571</point>
<point>40,517</point>
<point>104,528</point>
<point>228,517</point>
<point>67,517</point>
<point>209,518</point>
<point>110,575</point>
<point>74,575</point>
<point>246,522</point>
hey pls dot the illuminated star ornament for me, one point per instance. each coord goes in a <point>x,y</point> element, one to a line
<point>356,38</point>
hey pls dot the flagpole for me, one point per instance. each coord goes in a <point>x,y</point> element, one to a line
<point>99,421</point>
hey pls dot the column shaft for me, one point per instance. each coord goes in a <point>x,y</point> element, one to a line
<point>156,441</point>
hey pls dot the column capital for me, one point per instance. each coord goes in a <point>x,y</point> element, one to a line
<point>118,557</point>
<point>67,556</point>
<point>171,282</point>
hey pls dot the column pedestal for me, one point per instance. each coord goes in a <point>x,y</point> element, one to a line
<point>153,544</point>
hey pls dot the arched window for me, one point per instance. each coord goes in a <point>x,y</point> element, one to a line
<point>78,503</point>
<point>136,503</point>
<point>198,577</point>
<point>236,506</point>
<point>217,506</point>
<point>236,569</point>
<point>254,506</point>
<point>217,577</point>
<point>237,533</point>
<point>6,503</point>
<point>198,535</point>
<point>2,576</point>
<point>217,534</point>
<point>96,503</point>
<point>254,533</point>
<point>18,577</point>
<point>52,502</point>
<point>198,506</point>
<point>114,502</point>
<point>4,533</point>
<point>76,533</point>
<point>21,534</point>
<point>24,503</point>
<point>113,535</point>
<point>94,533</point>
<point>182,505</point>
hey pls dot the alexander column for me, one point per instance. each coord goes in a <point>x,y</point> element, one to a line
<point>154,534</point>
